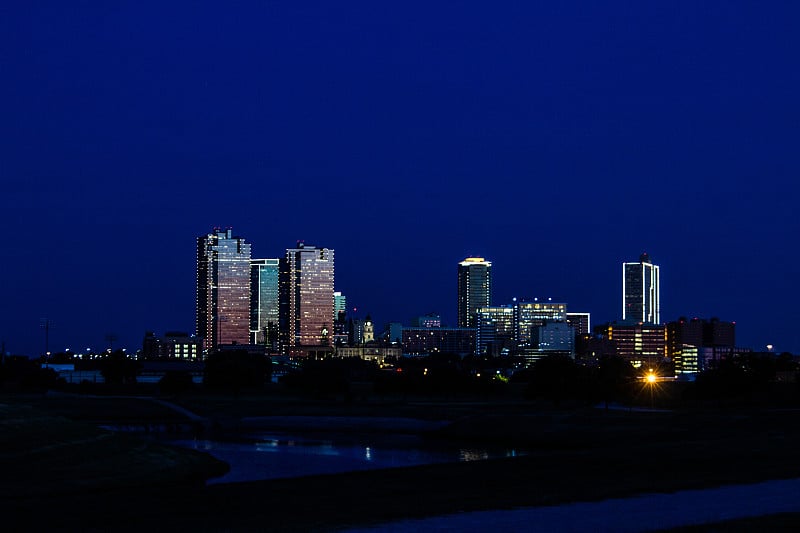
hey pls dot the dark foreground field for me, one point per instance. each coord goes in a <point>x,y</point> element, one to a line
<point>60,473</point>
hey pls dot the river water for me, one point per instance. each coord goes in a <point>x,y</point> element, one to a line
<point>273,455</point>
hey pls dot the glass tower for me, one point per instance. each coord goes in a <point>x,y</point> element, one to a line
<point>309,296</point>
<point>474,289</point>
<point>529,315</point>
<point>641,291</point>
<point>582,322</point>
<point>339,303</point>
<point>223,289</point>
<point>264,301</point>
<point>495,329</point>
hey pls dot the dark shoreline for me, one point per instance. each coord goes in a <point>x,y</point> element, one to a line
<point>581,454</point>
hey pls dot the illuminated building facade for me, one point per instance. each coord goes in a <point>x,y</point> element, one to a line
<point>425,341</point>
<point>172,345</point>
<point>640,344</point>
<point>361,331</point>
<point>495,329</point>
<point>431,320</point>
<point>223,289</point>
<point>641,291</point>
<point>339,303</point>
<point>474,289</point>
<point>528,315</point>
<point>549,338</point>
<point>309,274</point>
<point>355,328</point>
<point>688,339</point>
<point>373,352</point>
<point>369,330</point>
<point>582,322</point>
<point>554,337</point>
<point>340,332</point>
<point>264,301</point>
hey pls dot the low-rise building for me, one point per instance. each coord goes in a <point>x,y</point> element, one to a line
<point>373,352</point>
<point>641,344</point>
<point>172,345</point>
<point>424,341</point>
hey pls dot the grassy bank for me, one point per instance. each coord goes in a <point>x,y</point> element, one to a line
<point>576,454</point>
<point>45,456</point>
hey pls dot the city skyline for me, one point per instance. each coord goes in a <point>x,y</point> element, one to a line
<point>236,249</point>
<point>556,140</point>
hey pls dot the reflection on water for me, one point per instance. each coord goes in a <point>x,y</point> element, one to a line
<point>279,456</point>
<point>472,455</point>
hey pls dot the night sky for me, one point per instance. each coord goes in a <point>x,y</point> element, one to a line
<point>556,139</point>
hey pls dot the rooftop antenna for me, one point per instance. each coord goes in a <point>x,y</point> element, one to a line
<point>45,324</point>
<point>111,337</point>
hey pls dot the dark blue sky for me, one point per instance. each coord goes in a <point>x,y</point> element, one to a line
<point>556,139</point>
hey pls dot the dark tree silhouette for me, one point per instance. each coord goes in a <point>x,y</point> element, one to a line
<point>331,375</point>
<point>118,369</point>
<point>26,374</point>
<point>556,378</point>
<point>176,381</point>
<point>614,377</point>
<point>235,370</point>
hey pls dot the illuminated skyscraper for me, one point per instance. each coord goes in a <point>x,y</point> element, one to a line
<point>553,337</point>
<point>582,322</point>
<point>339,303</point>
<point>340,333</point>
<point>640,291</point>
<point>223,289</point>
<point>264,301</point>
<point>495,327</point>
<point>309,296</point>
<point>474,289</point>
<point>529,315</point>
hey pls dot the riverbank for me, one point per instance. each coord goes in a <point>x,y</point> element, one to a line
<point>43,457</point>
<point>577,455</point>
<point>384,496</point>
<point>720,508</point>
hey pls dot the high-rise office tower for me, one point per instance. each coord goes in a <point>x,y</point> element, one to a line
<point>264,301</point>
<point>340,333</point>
<point>582,322</point>
<point>553,337</point>
<point>339,303</point>
<point>355,331</point>
<point>495,327</point>
<point>223,289</point>
<point>529,315</point>
<point>474,289</point>
<point>640,291</point>
<point>309,296</point>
